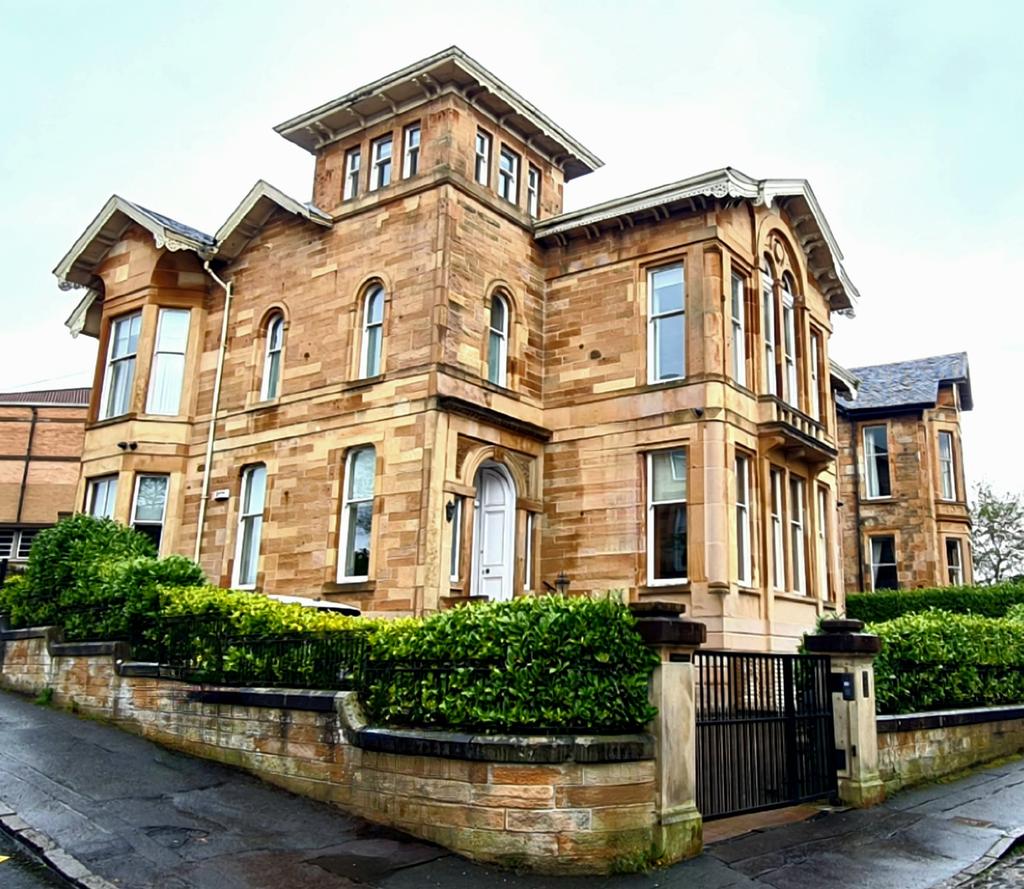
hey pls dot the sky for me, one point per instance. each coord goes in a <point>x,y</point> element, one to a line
<point>907,119</point>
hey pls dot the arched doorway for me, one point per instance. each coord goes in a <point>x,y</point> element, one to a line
<point>494,533</point>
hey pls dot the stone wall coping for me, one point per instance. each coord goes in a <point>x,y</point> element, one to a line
<point>26,633</point>
<point>88,649</point>
<point>536,749</point>
<point>909,722</point>
<point>276,698</point>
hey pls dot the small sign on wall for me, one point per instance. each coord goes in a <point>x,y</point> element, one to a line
<point>222,494</point>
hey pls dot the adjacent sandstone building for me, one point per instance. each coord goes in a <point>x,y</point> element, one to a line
<point>430,384</point>
<point>41,436</point>
<point>905,517</point>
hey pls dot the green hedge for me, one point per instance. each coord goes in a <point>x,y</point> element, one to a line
<point>549,663</point>
<point>533,663</point>
<point>988,601</point>
<point>935,660</point>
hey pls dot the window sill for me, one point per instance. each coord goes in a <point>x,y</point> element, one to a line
<point>350,586</point>
<point>656,589</point>
<point>796,597</point>
<point>887,499</point>
<point>112,421</point>
<point>748,590</point>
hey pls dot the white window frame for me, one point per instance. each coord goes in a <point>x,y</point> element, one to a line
<point>482,160</point>
<point>369,326</point>
<point>872,478</point>
<point>947,466</point>
<point>778,515</point>
<point>653,326</point>
<point>528,554</point>
<point>8,543</point>
<point>744,537</point>
<point>877,564</point>
<point>822,541</point>
<point>249,523</point>
<point>13,543</point>
<point>163,367</point>
<point>107,484</point>
<point>349,506</point>
<point>274,352</point>
<point>21,553</point>
<point>792,388</point>
<point>455,563</point>
<point>411,150</point>
<point>771,379</point>
<point>674,455</point>
<point>739,329</point>
<point>797,532</point>
<point>134,521</point>
<point>955,572</point>
<point>814,396</point>
<point>533,191</point>
<point>107,410</point>
<point>353,165</point>
<point>499,336</point>
<point>381,165</point>
<point>508,179</point>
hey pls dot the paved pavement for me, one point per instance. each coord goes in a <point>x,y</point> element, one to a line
<point>143,817</point>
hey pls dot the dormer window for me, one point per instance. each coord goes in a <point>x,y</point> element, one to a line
<point>508,175</point>
<point>120,376</point>
<point>380,174</point>
<point>352,163</point>
<point>411,158</point>
<point>482,172</point>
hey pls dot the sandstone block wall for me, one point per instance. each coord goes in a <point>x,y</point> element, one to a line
<point>566,817</point>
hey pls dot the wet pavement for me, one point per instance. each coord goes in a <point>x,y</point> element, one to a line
<point>144,817</point>
<point>1008,874</point>
<point>18,871</point>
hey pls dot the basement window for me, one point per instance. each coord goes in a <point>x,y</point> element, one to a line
<point>100,496</point>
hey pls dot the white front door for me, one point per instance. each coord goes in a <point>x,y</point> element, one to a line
<point>493,537</point>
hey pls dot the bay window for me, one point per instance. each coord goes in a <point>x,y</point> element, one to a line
<point>954,561</point>
<point>778,542</point>
<point>150,506</point>
<point>666,334</point>
<point>101,496</point>
<point>739,332</point>
<point>743,536</point>
<point>947,470</point>
<point>120,375</point>
<point>667,558</point>
<point>797,531</point>
<point>167,374</point>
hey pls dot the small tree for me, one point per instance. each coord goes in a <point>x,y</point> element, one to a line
<point>998,539</point>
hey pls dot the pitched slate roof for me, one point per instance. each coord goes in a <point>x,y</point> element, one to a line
<point>906,384</point>
<point>186,231</point>
<point>78,397</point>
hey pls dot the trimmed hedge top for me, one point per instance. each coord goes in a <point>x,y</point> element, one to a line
<point>987,601</point>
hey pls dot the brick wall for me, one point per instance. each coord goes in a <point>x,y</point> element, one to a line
<point>564,817</point>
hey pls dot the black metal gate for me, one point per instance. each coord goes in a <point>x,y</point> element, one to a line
<point>765,736</point>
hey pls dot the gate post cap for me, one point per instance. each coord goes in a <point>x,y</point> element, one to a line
<point>842,625</point>
<point>843,643</point>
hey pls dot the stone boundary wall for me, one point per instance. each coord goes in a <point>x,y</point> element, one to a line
<point>920,747</point>
<point>577,812</point>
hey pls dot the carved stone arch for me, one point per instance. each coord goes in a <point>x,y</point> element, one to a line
<point>518,466</point>
<point>367,281</point>
<point>275,308</point>
<point>775,241</point>
<point>501,286</point>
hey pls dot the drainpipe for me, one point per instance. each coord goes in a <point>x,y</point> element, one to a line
<point>28,460</point>
<point>854,432</point>
<point>207,467</point>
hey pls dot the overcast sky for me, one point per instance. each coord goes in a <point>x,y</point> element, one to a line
<point>907,118</point>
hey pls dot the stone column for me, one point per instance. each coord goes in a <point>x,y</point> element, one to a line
<point>678,832</point>
<point>853,701</point>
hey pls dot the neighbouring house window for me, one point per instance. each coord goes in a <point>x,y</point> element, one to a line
<point>792,392</point>
<point>380,156</point>
<point>797,530</point>
<point>272,360</point>
<point>482,171</point>
<point>666,336</point>
<point>455,570</point>
<point>411,151</point>
<point>168,372</point>
<point>150,506</point>
<point>743,548</point>
<point>7,536</point>
<point>876,461</point>
<point>373,332</point>
<point>508,175</point>
<point>815,395</point>
<point>739,332</point>
<point>25,539</point>
<point>497,342</point>
<point>352,164</point>
<point>100,496</point>
<point>771,383</point>
<point>883,564</point>
<point>16,543</point>
<point>357,514</point>
<point>528,554</point>
<point>954,561</point>
<point>533,191</point>
<point>822,543</point>
<point>250,525</point>
<point>946,465</point>
<point>778,544</point>
<point>124,345</point>
<point>666,517</point>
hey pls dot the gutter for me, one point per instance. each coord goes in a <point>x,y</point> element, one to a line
<point>214,408</point>
<point>28,461</point>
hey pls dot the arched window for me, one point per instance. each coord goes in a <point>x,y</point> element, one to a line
<point>497,341</point>
<point>357,514</point>
<point>271,384</point>
<point>373,332</point>
<point>791,393</point>
<point>771,384</point>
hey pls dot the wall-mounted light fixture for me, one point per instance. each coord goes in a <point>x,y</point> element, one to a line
<point>449,510</point>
